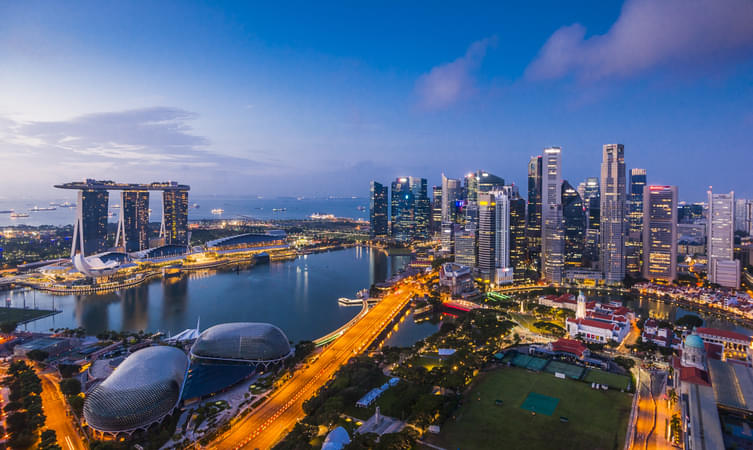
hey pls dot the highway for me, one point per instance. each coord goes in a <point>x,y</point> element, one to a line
<point>650,423</point>
<point>55,409</point>
<point>270,422</point>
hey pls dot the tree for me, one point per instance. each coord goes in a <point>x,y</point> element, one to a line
<point>37,355</point>
<point>70,386</point>
<point>48,441</point>
<point>689,321</point>
<point>8,327</point>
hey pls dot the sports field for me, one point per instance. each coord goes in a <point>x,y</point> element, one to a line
<point>595,419</point>
<point>612,380</point>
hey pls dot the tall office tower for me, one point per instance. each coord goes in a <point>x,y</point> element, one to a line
<point>174,229</point>
<point>488,182</point>
<point>476,182</point>
<point>741,223</point>
<point>451,194</point>
<point>378,208</point>
<point>447,237</point>
<point>592,199</point>
<point>494,234</point>
<point>533,229</point>
<point>660,232</point>
<point>465,247</point>
<point>575,221</point>
<point>518,240</point>
<point>552,233</point>
<point>422,205</point>
<point>436,209</point>
<point>612,228</point>
<point>722,268</point>
<point>690,213</point>
<point>634,242</point>
<point>133,223</point>
<point>749,216</point>
<point>402,211</point>
<point>90,230</point>
<point>471,187</point>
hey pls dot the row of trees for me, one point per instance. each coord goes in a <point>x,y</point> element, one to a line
<point>25,415</point>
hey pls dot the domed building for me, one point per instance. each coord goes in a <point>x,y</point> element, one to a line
<point>694,352</point>
<point>142,391</point>
<point>242,342</point>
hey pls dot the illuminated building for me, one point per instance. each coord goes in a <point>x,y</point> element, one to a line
<point>90,230</point>
<point>612,228</point>
<point>378,208</point>
<point>451,194</point>
<point>722,268</point>
<point>660,232</point>
<point>633,244</point>
<point>533,226</point>
<point>133,223</point>
<point>465,247</point>
<point>552,233</point>
<point>174,229</point>
<point>411,209</point>
<point>436,209</point>
<point>592,200</point>
<point>574,218</point>
<point>494,234</point>
<point>518,240</point>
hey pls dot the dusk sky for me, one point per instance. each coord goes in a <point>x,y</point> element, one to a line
<point>317,99</point>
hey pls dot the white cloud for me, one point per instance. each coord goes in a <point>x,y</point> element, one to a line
<point>451,82</point>
<point>647,34</point>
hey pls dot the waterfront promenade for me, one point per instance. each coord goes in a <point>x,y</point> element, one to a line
<point>273,419</point>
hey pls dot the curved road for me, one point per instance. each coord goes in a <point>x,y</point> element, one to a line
<point>270,422</point>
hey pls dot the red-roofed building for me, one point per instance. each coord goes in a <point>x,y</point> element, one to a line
<point>737,346</point>
<point>569,347</point>
<point>596,330</point>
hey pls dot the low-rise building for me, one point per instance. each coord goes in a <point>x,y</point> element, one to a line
<point>736,346</point>
<point>661,336</point>
<point>456,278</point>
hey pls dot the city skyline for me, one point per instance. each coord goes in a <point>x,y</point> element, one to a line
<point>235,99</point>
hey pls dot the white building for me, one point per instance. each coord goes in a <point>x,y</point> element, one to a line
<point>599,322</point>
<point>722,268</point>
<point>494,235</point>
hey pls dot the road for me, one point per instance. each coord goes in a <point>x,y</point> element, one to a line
<point>55,409</point>
<point>270,422</point>
<point>650,424</point>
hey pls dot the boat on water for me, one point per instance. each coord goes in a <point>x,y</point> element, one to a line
<point>361,295</point>
<point>15,215</point>
<point>195,206</point>
<point>217,211</point>
<point>361,208</point>
<point>318,216</point>
<point>67,205</point>
<point>44,208</point>
<point>279,209</point>
<point>6,211</point>
<point>116,206</point>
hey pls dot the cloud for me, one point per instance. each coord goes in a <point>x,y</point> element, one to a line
<point>648,34</point>
<point>451,82</point>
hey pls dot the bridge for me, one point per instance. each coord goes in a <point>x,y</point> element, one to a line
<point>462,305</point>
<point>327,338</point>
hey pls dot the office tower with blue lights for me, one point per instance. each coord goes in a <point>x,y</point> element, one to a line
<point>612,227</point>
<point>659,232</point>
<point>378,210</point>
<point>411,209</point>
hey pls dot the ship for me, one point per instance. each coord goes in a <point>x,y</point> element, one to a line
<point>116,206</point>
<point>6,211</point>
<point>279,209</point>
<point>361,208</point>
<point>318,216</point>
<point>15,215</point>
<point>37,208</point>
<point>67,205</point>
<point>218,211</point>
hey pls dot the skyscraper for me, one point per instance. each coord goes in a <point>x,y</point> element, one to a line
<point>612,229</point>
<point>174,229</point>
<point>634,245</point>
<point>722,268</point>
<point>741,211</point>
<point>574,217</point>
<point>378,208</point>
<point>436,209</point>
<point>518,240</point>
<point>451,194</point>
<point>659,232</point>
<point>552,236</point>
<point>90,230</point>
<point>465,247</point>
<point>592,199</point>
<point>533,228</point>
<point>133,223</point>
<point>411,209</point>
<point>494,234</point>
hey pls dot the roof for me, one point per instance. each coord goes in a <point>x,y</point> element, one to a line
<point>694,341</point>
<point>242,341</point>
<point>596,324</point>
<point>725,334</point>
<point>336,439</point>
<point>140,391</point>
<point>694,375</point>
<point>244,239</point>
<point>569,346</point>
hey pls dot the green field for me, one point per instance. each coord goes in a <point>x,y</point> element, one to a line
<point>597,419</point>
<point>21,315</point>
<point>612,380</point>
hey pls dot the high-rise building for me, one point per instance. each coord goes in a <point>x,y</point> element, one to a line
<point>447,237</point>
<point>722,268</point>
<point>552,233</point>
<point>411,209</point>
<point>90,230</point>
<point>533,228</point>
<point>690,213</point>
<point>592,199</point>
<point>436,209</point>
<point>174,229</point>
<point>378,210</point>
<point>575,221</point>
<point>518,240</point>
<point>741,212</point>
<point>494,234</point>
<point>476,182</point>
<point>749,216</point>
<point>612,228</point>
<point>659,232</point>
<point>634,244</point>
<point>133,223</point>
<point>451,195</point>
<point>465,247</point>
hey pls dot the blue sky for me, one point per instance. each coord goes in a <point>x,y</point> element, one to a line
<point>317,99</point>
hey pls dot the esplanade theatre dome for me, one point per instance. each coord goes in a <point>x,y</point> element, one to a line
<point>242,342</point>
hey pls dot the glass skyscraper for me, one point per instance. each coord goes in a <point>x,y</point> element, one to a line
<point>612,229</point>
<point>174,228</point>
<point>133,223</point>
<point>533,226</point>
<point>660,232</point>
<point>378,210</point>
<point>552,234</point>
<point>90,231</point>
<point>574,218</point>
<point>634,242</point>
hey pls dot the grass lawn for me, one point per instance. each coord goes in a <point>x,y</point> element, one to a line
<point>21,315</point>
<point>610,379</point>
<point>597,419</point>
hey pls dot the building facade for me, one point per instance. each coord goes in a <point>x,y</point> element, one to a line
<point>720,232</point>
<point>174,228</point>
<point>533,223</point>
<point>660,233</point>
<point>612,227</point>
<point>574,223</point>
<point>133,222</point>
<point>90,230</point>
<point>378,210</point>
<point>552,236</point>
<point>633,244</point>
<point>493,233</point>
